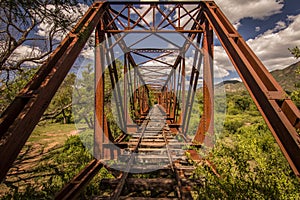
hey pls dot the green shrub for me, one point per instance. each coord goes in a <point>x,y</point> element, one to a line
<point>251,166</point>
<point>232,124</point>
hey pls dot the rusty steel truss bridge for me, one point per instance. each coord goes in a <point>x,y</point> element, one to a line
<point>157,68</point>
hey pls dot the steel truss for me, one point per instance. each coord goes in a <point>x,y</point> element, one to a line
<point>150,69</point>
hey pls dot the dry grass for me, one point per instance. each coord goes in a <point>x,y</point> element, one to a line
<point>35,155</point>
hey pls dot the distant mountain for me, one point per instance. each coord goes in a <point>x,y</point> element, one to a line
<point>234,86</point>
<point>286,77</point>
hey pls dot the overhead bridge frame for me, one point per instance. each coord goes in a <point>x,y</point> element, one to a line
<point>281,115</point>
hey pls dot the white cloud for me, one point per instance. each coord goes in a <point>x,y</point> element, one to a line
<point>88,53</point>
<point>25,51</point>
<point>44,29</point>
<point>73,14</point>
<point>220,72</point>
<point>236,10</point>
<point>148,17</point>
<point>271,47</point>
<point>221,59</point>
<point>279,26</point>
<point>257,29</point>
<point>237,25</point>
<point>237,79</point>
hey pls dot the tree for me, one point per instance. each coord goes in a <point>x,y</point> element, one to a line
<point>83,97</point>
<point>295,51</point>
<point>248,160</point>
<point>9,89</point>
<point>35,27</point>
<point>29,30</point>
<point>60,108</point>
<point>295,96</point>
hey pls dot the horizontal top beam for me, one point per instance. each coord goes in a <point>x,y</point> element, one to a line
<point>151,2</point>
<point>151,50</point>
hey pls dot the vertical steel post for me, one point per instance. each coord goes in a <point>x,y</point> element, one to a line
<point>183,93</point>
<point>125,91</point>
<point>171,96</point>
<point>143,99</point>
<point>140,97</point>
<point>135,93</point>
<point>175,96</point>
<point>206,128</point>
<point>177,116</point>
<point>168,98</point>
<point>99,92</point>
<point>197,62</point>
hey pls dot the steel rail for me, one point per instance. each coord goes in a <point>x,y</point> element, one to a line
<point>178,176</point>
<point>117,192</point>
<point>168,150</point>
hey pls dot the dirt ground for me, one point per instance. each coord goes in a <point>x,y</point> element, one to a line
<point>26,169</point>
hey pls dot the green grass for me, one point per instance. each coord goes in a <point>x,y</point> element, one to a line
<point>50,158</point>
<point>51,133</point>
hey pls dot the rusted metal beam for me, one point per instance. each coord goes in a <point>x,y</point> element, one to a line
<point>122,43</point>
<point>151,50</point>
<point>206,127</point>
<point>19,119</point>
<point>193,85</point>
<point>74,187</point>
<point>189,40</point>
<point>126,82</point>
<point>99,132</point>
<point>276,108</point>
<point>176,111</point>
<point>183,100</point>
<point>154,2</point>
<point>151,71</point>
<point>151,59</point>
<point>142,22</point>
<point>173,95</point>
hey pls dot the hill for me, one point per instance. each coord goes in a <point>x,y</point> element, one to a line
<point>287,78</point>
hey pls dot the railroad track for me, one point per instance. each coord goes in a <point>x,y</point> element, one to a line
<point>153,166</point>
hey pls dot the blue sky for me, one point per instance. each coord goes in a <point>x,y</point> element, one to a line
<point>248,25</point>
<point>270,27</point>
